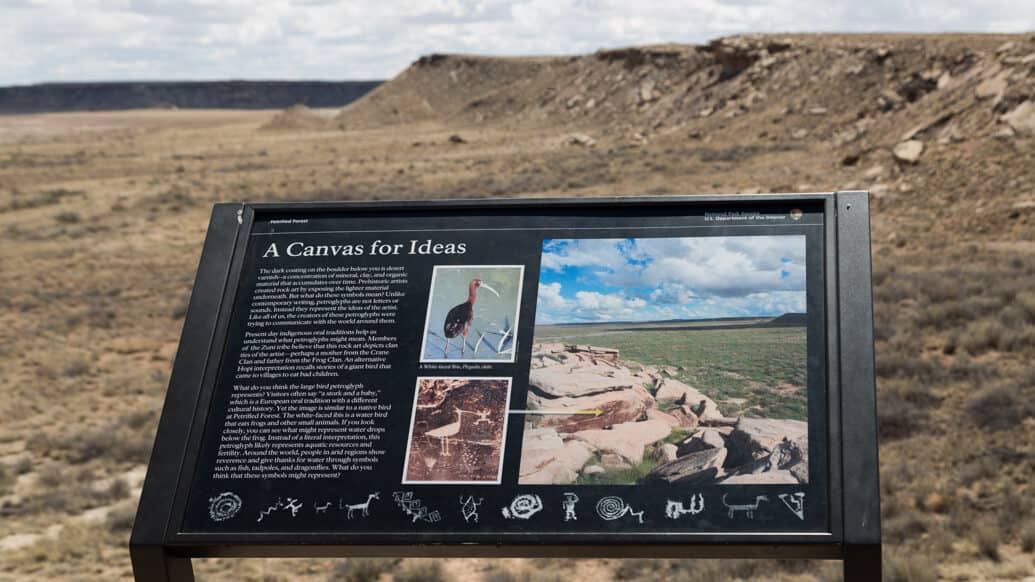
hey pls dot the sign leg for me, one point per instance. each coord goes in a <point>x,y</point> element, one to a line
<point>154,563</point>
<point>862,563</point>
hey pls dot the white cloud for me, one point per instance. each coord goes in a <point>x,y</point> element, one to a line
<point>652,279</point>
<point>724,266</point>
<point>604,252</point>
<point>50,40</point>
<point>603,307</point>
<point>550,298</point>
<point>586,306</point>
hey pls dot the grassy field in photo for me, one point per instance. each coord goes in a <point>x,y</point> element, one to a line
<point>749,369</point>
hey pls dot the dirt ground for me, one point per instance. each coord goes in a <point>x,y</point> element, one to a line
<point>102,218</point>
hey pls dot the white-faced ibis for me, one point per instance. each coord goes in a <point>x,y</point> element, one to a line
<point>459,318</point>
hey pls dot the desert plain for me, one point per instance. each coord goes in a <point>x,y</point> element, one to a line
<point>102,216</point>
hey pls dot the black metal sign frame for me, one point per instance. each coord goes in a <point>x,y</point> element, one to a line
<point>161,549</point>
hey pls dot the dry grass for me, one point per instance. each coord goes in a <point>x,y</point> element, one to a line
<point>120,520</point>
<point>955,329</point>
<point>721,570</point>
<point>988,536</point>
<point>362,569</point>
<point>903,567</point>
<point>1003,405</point>
<point>529,574</point>
<point>1028,538</point>
<point>127,439</point>
<point>423,570</point>
<point>102,232</point>
<point>61,556</point>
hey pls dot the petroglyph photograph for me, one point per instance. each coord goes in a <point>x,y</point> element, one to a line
<point>472,314</point>
<point>671,360</point>
<point>457,430</point>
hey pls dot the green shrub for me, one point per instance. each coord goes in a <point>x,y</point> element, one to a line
<point>999,407</point>
<point>68,217</point>
<point>127,439</point>
<point>897,417</point>
<point>640,568</point>
<point>117,490</point>
<point>908,524</point>
<point>76,367</point>
<point>1015,512</point>
<point>987,537</point>
<point>537,571</point>
<point>51,475</point>
<point>7,479</point>
<point>121,518</point>
<point>1028,538</point>
<point>426,570</point>
<point>497,575</point>
<point>909,567</point>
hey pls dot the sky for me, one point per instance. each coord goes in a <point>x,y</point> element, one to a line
<point>652,279</point>
<point>103,40</point>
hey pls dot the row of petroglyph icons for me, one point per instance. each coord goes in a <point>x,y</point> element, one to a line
<point>226,505</point>
<point>609,508</point>
<point>612,507</point>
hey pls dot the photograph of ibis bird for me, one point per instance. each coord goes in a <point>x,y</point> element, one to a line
<point>457,430</point>
<point>459,319</point>
<point>472,313</point>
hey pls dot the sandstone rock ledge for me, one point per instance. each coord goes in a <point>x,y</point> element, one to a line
<point>642,419</point>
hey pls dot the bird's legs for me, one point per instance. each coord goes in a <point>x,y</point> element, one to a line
<point>445,350</point>
<point>463,343</point>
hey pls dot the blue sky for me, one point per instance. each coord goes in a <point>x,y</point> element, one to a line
<point>651,279</point>
<point>97,40</point>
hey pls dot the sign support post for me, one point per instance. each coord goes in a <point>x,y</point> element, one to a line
<point>858,393</point>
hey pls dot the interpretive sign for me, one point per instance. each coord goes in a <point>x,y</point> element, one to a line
<point>671,377</point>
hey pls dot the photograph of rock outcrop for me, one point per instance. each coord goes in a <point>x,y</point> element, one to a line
<point>472,314</point>
<point>669,360</point>
<point>457,430</point>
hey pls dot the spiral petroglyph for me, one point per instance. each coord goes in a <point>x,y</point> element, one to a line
<point>611,508</point>
<point>223,506</point>
<point>523,507</point>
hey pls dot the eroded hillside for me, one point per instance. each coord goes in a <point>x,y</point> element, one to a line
<point>854,100</point>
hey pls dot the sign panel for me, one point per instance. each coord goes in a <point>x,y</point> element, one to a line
<point>606,375</point>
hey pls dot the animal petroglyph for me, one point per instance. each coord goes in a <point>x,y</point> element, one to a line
<point>363,507</point>
<point>747,508</point>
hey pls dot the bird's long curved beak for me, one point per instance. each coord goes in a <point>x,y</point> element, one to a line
<point>487,288</point>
